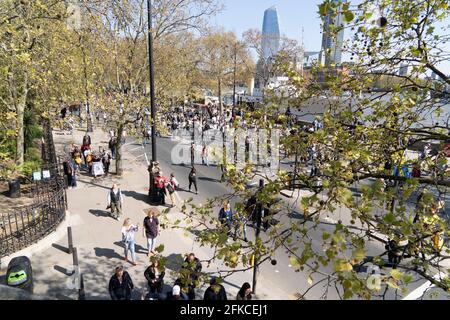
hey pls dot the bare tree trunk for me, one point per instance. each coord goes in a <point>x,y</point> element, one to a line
<point>220,97</point>
<point>119,168</point>
<point>20,109</point>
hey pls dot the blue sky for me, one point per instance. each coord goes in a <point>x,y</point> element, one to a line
<point>241,15</point>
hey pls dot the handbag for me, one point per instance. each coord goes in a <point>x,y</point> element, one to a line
<point>170,188</point>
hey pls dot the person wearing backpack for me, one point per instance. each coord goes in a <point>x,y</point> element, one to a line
<point>171,190</point>
<point>115,202</point>
<point>128,235</point>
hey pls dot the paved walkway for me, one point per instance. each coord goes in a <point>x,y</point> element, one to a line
<point>98,239</point>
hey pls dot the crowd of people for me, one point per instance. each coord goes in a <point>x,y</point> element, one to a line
<point>85,158</point>
<point>184,288</point>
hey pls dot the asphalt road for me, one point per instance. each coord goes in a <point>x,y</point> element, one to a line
<point>282,274</point>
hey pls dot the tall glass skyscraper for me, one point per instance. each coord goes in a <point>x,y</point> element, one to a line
<point>270,33</point>
<point>332,46</point>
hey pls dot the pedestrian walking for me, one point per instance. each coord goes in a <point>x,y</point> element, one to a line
<point>151,229</point>
<point>174,182</point>
<point>241,223</point>
<point>145,137</point>
<point>191,270</point>
<point>193,179</point>
<point>215,291</point>
<point>226,216</point>
<point>160,183</point>
<point>120,285</point>
<point>128,235</point>
<point>245,293</point>
<point>205,155</point>
<point>106,160</point>
<point>72,174</point>
<point>112,146</point>
<point>155,277</point>
<point>115,202</point>
<point>171,190</point>
<point>192,153</point>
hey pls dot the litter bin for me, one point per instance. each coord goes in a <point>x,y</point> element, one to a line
<point>19,274</point>
<point>14,188</point>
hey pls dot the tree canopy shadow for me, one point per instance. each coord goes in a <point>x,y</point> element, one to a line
<point>100,213</point>
<point>138,248</point>
<point>174,261</point>
<point>106,252</point>
<point>135,195</point>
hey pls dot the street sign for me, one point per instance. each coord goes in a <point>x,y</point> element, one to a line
<point>37,176</point>
<point>46,174</point>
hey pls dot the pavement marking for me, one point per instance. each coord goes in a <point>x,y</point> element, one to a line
<point>420,291</point>
<point>135,148</point>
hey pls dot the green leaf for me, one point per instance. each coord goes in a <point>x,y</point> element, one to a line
<point>359,254</point>
<point>392,283</point>
<point>397,275</point>
<point>349,16</point>
<point>342,265</point>
<point>407,278</point>
<point>159,248</point>
<point>323,9</point>
<point>326,235</point>
<point>294,261</point>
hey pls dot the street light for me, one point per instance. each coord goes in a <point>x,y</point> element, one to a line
<point>153,195</point>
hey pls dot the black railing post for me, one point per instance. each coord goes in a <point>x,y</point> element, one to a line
<point>70,240</point>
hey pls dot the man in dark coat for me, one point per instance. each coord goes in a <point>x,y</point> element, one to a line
<point>120,285</point>
<point>215,291</point>
<point>192,267</point>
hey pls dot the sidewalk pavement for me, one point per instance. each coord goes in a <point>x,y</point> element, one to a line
<point>97,236</point>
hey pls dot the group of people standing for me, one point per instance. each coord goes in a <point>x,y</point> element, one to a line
<point>84,157</point>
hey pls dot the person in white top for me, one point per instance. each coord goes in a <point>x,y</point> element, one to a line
<point>128,234</point>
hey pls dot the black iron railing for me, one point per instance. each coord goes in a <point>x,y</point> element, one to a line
<point>21,227</point>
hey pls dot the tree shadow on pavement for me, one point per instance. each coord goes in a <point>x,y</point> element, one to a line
<point>174,261</point>
<point>138,248</point>
<point>106,252</point>
<point>100,213</point>
<point>135,195</point>
<point>93,184</point>
<point>209,179</point>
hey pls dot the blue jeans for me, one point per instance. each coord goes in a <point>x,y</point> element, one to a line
<point>130,246</point>
<point>74,181</point>
<point>151,243</point>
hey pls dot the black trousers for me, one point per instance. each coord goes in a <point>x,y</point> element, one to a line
<point>193,182</point>
<point>162,195</point>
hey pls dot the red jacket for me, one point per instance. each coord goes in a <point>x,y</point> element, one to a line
<point>160,182</point>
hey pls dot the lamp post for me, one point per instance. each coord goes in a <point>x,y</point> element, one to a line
<point>151,168</point>
<point>234,76</point>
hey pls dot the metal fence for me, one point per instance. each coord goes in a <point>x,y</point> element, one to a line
<point>20,228</point>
